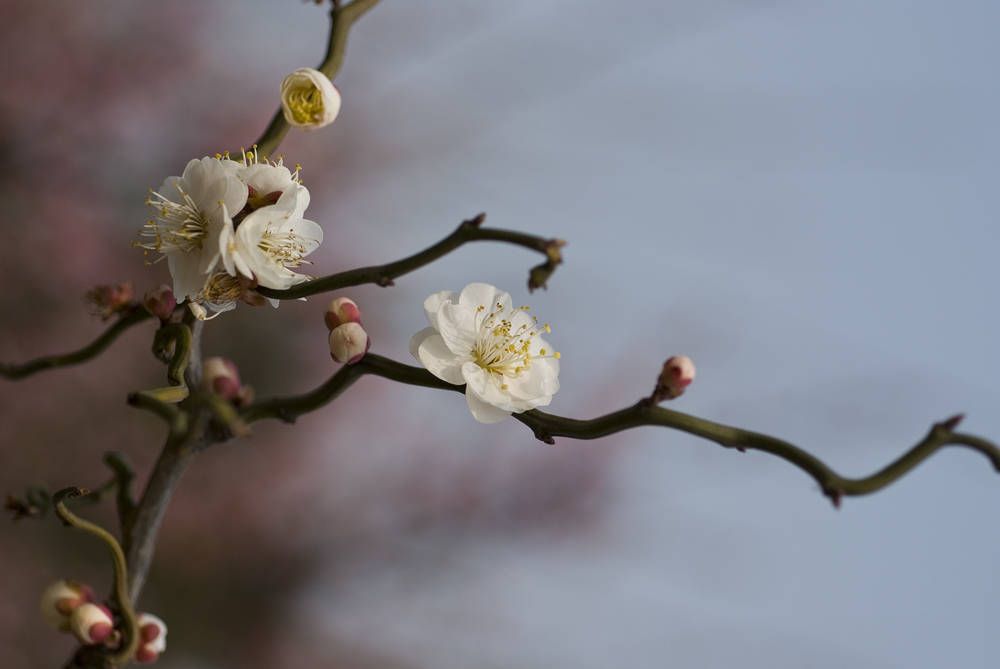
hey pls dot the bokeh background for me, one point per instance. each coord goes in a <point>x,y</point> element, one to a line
<point>801,196</point>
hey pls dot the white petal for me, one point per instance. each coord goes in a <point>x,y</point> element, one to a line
<point>484,295</point>
<point>486,387</point>
<point>457,324</point>
<point>483,412</point>
<point>308,231</point>
<point>188,280</point>
<point>439,361</point>
<point>433,303</point>
<point>266,179</point>
<point>418,339</point>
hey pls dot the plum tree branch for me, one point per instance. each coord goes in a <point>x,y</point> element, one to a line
<point>342,17</point>
<point>547,426</point>
<point>133,316</point>
<point>470,230</point>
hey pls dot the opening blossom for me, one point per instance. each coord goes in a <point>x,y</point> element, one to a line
<point>226,227</point>
<point>478,338</point>
<point>309,99</point>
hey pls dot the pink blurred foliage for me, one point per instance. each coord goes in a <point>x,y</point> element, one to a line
<point>84,121</point>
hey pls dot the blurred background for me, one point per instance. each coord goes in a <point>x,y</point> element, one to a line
<point>800,196</point>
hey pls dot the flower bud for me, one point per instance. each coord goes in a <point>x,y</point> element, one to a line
<point>106,300</point>
<point>91,623</point>
<point>221,376</point>
<point>152,638</point>
<point>342,310</point>
<point>677,374</point>
<point>309,99</point>
<point>61,598</point>
<point>160,302</point>
<point>348,343</point>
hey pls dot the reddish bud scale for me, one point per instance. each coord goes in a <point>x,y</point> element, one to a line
<point>146,655</point>
<point>91,623</point>
<point>342,310</point>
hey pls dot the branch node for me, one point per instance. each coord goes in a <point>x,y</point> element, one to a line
<point>385,281</point>
<point>474,222</point>
<point>950,424</point>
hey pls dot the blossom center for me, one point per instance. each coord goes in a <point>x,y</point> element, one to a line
<point>221,288</point>
<point>504,350</point>
<point>178,226</point>
<point>284,248</point>
<point>306,104</point>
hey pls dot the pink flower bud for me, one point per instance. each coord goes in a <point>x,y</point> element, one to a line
<point>348,343</point>
<point>106,301</point>
<point>152,638</point>
<point>61,598</point>
<point>677,374</point>
<point>91,623</point>
<point>342,310</point>
<point>221,376</point>
<point>160,302</point>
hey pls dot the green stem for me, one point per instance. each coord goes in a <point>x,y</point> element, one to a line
<point>467,231</point>
<point>130,631</point>
<point>547,426</point>
<point>341,20</point>
<point>135,315</point>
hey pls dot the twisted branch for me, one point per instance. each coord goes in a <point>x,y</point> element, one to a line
<point>133,316</point>
<point>130,631</point>
<point>341,20</point>
<point>547,426</point>
<point>468,231</point>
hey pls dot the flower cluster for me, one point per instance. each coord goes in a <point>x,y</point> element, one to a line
<point>477,337</point>
<point>226,227</point>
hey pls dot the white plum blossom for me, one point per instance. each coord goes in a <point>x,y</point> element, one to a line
<point>477,337</point>
<point>270,237</point>
<point>270,242</point>
<point>309,99</point>
<point>190,213</point>
<point>227,227</point>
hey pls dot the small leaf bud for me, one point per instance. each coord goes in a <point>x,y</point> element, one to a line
<point>342,310</point>
<point>107,300</point>
<point>91,623</point>
<point>152,638</point>
<point>677,375</point>
<point>348,343</point>
<point>61,598</point>
<point>160,302</point>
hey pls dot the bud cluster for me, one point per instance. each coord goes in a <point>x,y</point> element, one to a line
<point>348,340</point>
<point>69,606</point>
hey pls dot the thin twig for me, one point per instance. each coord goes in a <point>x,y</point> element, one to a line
<point>130,631</point>
<point>341,20</point>
<point>547,426</point>
<point>135,315</point>
<point>468,231</point>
